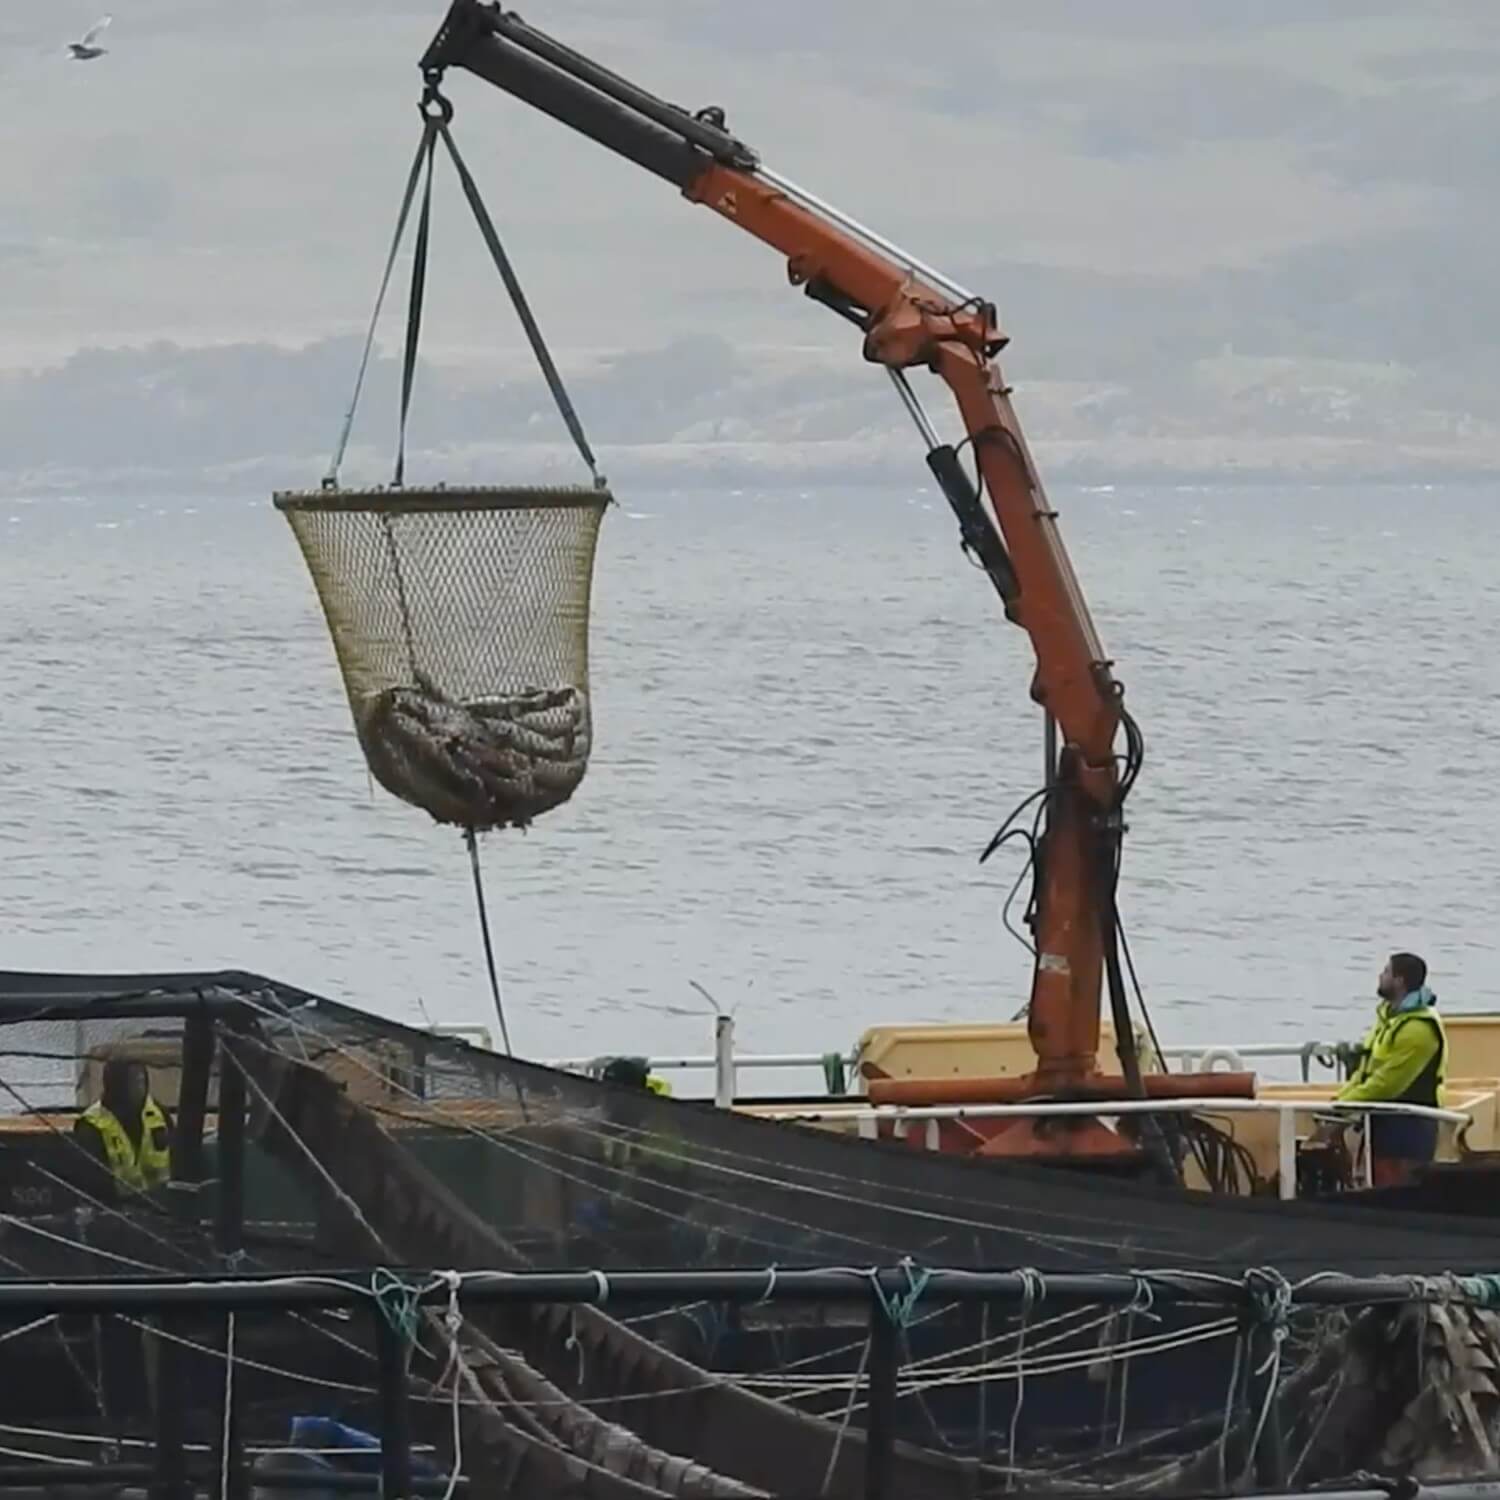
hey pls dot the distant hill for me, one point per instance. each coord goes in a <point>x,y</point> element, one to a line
<point>1250,241</point>
<point>252,416</point>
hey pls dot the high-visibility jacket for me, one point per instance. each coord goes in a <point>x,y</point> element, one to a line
<point>140,1167</point>
<point>1405,1058</point>
<point>1405,1061</point>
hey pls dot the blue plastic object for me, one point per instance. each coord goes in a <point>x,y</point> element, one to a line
<point>364,1457</point>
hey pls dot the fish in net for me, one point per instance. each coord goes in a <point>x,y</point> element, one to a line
<point>459,617</point>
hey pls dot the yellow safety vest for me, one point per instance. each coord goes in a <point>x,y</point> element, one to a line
<point>1396,1064</point>
<point>142,1169</point>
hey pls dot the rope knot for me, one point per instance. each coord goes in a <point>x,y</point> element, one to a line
<point>900,1306</point>
<point>1269,1295</point>
<point>1033,1289</point>
<point>1143,1300</point>
<point>453,1318</point>
<point>399,1303</point>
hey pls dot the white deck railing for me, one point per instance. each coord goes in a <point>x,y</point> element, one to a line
<point>1198,1058</point>
<point>868,1118</point>
<point>726,1063</point>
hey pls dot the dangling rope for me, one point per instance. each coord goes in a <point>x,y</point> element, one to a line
<point>226,1444</point>
<point>472,840</point>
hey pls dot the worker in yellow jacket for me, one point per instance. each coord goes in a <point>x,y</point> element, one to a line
<point>126,1131</point>
<point>1404,1059</point>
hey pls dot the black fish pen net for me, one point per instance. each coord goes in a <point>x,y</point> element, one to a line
<point>460,621</point>
<point>83,1389</point>
<point>373,1145</point>
<point>456,1156</point>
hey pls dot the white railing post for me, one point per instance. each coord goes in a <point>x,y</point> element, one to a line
<point>724,1076</point>
<point>1286,1152</point>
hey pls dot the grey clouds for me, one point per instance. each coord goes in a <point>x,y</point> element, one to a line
<point>1221,241</point>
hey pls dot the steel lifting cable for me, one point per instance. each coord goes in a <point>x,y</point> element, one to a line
<point>437,113</point>
<point>418,293</point>
<point>424,155</point>
<point>503,265</point>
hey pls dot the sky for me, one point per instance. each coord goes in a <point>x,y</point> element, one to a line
<point>1139,187</point>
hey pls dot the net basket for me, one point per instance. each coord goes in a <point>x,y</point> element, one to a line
<point>460,621</point>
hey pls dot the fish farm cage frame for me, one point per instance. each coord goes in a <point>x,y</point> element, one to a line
<point>215,1008</point>
<point>1261,1299</point>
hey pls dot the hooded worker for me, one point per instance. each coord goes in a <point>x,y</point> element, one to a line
<point>1403,1061</point>
<point>126,1131</point>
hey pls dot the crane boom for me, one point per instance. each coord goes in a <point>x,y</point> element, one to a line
<point>911,316</point>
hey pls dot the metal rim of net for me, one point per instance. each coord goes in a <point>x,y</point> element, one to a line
<point>388,500</point>
<point>466,666</point>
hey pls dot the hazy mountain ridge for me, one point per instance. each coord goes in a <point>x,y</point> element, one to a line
<point>256,415</point>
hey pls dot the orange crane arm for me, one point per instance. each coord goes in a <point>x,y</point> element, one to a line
<point>911,317</point>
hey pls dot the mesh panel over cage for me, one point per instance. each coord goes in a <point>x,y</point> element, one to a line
<point>460,621</point>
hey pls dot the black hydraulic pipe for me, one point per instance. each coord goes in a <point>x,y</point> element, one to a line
<point>469,22</point>
<point>979,536</point>
<point>1461,1489</point>
<point>567,99</point>
<point>1152,1136</point>
<point>108,1476</point>
<point>28,1476</point>
<point>352,1289</point>
<point>135,1008</point>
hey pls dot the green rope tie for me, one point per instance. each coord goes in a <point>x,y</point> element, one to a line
<point>899,1306</point>
<point>834,1078</point>
<point>1483,1290</point>
<point>399,1304</point>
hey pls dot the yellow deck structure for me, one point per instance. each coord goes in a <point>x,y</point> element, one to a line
<point>1003,1051</point>
<point>379,1077</point>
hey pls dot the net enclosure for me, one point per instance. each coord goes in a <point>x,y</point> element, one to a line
<point>310,1139</point>
<point>460,619</point>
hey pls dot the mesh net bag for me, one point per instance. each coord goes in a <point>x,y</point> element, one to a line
<point>460,621</point>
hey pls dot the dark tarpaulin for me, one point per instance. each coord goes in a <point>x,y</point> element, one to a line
<point>25,992</point>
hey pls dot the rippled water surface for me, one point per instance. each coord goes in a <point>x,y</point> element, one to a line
<point>810,719</point>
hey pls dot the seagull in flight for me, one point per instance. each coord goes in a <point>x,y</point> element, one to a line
<point>88,48</point>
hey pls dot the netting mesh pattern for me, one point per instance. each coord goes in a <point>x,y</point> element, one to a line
<point>460,620</point>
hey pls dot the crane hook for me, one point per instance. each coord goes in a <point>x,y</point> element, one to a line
<point>434,103</point>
